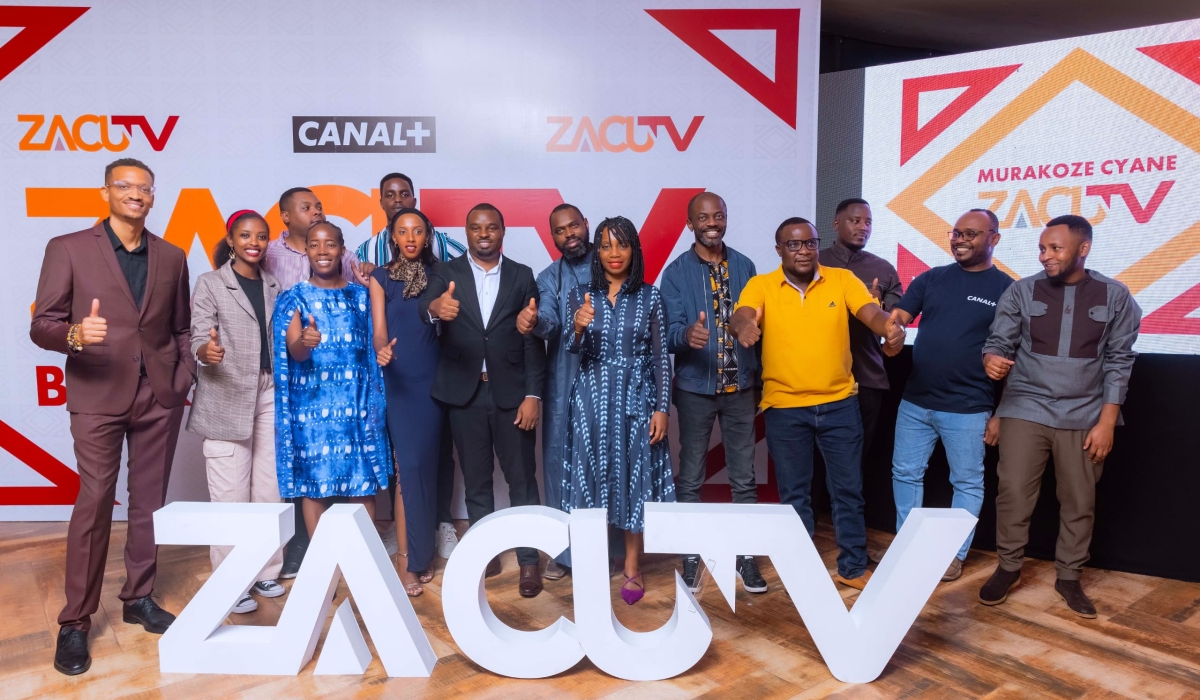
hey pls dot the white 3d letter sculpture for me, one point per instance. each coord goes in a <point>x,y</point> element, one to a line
<point>346,544</point>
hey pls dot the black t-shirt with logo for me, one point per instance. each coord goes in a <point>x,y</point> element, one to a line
<point>956,309</point>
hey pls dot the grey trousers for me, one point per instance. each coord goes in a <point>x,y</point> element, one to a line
<point>697,412</point>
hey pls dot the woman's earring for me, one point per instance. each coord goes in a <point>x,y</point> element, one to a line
<point>232,256</point>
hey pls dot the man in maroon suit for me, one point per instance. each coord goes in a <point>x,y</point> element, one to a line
<point>114,299</point>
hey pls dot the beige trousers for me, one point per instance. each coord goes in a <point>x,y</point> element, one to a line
<point>243,471</point>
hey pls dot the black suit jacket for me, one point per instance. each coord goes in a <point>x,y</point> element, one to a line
<point>516,363</point>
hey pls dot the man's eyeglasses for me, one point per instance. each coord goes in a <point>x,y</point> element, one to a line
<point>124,187</point>
<point>967,235</point>
<point>796,244</point>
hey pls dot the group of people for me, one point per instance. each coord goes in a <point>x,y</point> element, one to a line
<point>323,374</point>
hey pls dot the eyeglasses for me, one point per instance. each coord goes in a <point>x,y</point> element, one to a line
<point>967,235</point>
<point>123,187</point>
<point>796,244</point>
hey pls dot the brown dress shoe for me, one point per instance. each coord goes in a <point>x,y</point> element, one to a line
<point>554,571</point>
<point>493,568</point>
<point>1072,594</point>
<point>954,571</point>
<point>531,580</point>
<point>995,591</point>
<point>859,582</point>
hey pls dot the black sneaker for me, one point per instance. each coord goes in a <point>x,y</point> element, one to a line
<point>691,572</point>
<point>293,557</point>
<point>747,571</point>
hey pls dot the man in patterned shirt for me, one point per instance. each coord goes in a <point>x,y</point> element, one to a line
<point>715,377</point>
<point>396,192</point>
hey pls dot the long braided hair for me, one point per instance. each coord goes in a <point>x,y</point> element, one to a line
<point>412,273</point>
<point>621,231</point>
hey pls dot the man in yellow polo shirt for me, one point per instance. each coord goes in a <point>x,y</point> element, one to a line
<point>801,312</point>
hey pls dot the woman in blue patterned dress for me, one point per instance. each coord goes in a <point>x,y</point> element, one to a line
<point>329,417</point>
<point>616,452</point>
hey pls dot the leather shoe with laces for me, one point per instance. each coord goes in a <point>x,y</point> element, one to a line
<point>71,657</point>
<point>145,612</point>
<point>531,581</point>
<point>995,591</point>
<point>1072,594</point>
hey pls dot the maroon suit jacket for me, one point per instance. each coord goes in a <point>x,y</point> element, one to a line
<point>102,379</point>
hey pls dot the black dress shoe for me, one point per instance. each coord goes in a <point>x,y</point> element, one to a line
<point>72,657</point>
<point>995,591</point>
<point>493,568</point>
<point>1072,594</point>
<point>145,612</point>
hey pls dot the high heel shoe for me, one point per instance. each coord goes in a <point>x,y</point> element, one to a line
<point>632,595</point>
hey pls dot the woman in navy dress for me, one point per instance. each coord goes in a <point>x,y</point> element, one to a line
<point>414,419</point>
<point>329,398</point>
<point>616,453</point>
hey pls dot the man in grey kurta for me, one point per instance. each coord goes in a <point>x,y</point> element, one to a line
<point>571,236</point>
<point>1063,339</point>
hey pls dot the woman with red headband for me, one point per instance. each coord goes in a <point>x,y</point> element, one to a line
<point>234,404</point>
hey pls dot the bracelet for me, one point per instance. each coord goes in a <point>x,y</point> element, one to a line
<point>74,344</point>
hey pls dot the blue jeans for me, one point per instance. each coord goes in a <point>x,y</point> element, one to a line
<point>917,431</point>
<point>837,429</point>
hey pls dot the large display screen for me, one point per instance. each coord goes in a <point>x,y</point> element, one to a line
<point>1104,126</point>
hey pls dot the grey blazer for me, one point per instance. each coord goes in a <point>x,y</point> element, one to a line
<point>223,405</point>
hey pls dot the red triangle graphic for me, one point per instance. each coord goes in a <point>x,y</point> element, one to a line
<point>1182,57</point>
<point>695,28</point>
<point>715,461</point>
<point>40,25</point>
<point>1171,318</point>
<point>908,266</point>
<point>978,84</point>
<point>66,481</point>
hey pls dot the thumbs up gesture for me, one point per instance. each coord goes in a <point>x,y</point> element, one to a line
<point>310,336</point>
<point>527,319</point>
<point>94,328</point>
<point>384,355</point>
<point>874,289</point>
<point>747,330</point>
<point>445,307</point>
<point>211,353</point>
<point>697,333</point>
<point>585,315</point>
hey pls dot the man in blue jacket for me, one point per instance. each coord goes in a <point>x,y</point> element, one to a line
<point>570,231</point>
<point>715,377</point>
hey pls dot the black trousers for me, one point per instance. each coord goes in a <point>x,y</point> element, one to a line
<point>445,476</point>
<point>481,429</point>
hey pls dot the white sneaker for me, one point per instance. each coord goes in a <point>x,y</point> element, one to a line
<point>245,604</point>
<point>268,589</point>
<point>447,540</point>
<point>387,533</point>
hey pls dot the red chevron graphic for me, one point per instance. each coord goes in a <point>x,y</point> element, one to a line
<point>978,84</point>
<point>66,481</point>
<point>1182,57</point>
<point>1171,318</point>
<point>39,26</point>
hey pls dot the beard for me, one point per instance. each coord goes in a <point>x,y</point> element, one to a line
<point>577,253</point>
<point>709,243</point>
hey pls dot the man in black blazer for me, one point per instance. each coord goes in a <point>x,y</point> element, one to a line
<point>489,375</point>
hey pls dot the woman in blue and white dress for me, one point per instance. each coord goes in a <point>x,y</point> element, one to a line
<point>616,453</point>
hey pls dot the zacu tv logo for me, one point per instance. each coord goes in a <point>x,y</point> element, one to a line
<point>91,132</point>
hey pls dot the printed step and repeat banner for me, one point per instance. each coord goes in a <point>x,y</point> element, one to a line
<point>1104,126</point>
<point>625,107</point>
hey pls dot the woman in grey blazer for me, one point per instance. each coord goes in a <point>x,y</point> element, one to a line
<point>234,404</point>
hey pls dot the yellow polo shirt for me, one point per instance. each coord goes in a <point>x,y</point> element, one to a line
<point>806,336</point>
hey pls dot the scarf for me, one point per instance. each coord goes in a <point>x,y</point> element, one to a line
<point>411,273</point>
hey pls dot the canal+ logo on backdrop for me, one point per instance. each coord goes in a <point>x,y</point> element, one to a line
<point>364,135</point>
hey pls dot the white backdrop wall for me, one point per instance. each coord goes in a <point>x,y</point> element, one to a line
<point>215,97</point>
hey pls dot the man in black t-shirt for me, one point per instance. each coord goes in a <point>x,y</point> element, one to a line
<point>949,396</point>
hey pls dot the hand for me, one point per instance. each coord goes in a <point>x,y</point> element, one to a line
<point>991,434</point>
<point>365,268</point>
<point>445,307</point>
<point>748,333</point>
<point>211,353</point>
<point>527,319</point>
<point>94,328</point>
<point>585,315</point>
<point>310,336</point>
<point>874,289</point>
<point>385,353</point>
<point>527,413</point>
<point>894,341</point>
<point>996,367</point>
<point>697,334</point>
<point>658,427</point>
<point>1099,442</point>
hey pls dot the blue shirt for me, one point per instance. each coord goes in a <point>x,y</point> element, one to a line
<point>956,308</point>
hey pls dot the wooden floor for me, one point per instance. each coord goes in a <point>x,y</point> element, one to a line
<point>1145,644</point>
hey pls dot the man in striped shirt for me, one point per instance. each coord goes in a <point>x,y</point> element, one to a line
<point>396,192</point>
<point>286,256</point>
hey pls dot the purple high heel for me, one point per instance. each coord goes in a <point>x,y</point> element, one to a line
<point>632,595</point>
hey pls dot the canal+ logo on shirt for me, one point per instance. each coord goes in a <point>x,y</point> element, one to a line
<point>364,135</point>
